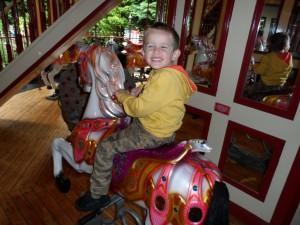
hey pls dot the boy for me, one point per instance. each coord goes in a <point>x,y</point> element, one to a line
<point>157,111</point>
<point>274,68</point>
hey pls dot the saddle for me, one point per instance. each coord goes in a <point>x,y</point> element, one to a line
<point>83,148</point>
<point>170,154</point>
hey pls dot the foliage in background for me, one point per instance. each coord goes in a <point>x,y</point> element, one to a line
<point>130,14</point>
<point>141,12</point>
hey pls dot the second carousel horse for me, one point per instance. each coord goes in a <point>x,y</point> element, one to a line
<point>174,184</point>
<point>205,59</point>
<point>49,74</point>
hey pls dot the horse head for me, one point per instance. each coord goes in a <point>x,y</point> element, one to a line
<point>205,59</point>
<point>176,183</point>
<point>103,74</point>
<point>206,51</point>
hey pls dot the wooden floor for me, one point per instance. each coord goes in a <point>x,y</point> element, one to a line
<point>28,196</point>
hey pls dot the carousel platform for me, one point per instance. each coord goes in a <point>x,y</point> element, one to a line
<point>28,124</point>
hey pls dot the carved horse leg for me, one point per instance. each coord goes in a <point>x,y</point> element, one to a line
<point>63,149</point>
<point>44,76</point>
<point>55,70</point>
<point>48,76</point>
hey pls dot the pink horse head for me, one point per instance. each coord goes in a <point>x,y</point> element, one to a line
<point>175,183</point>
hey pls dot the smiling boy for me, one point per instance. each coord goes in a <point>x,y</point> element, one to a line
<point>157,111</point>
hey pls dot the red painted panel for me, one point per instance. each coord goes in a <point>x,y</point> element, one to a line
<point>290,196</point>
<point>221,108</point>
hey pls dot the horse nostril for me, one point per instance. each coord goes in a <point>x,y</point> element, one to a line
<point>160,203</point>
<point>195,215</point>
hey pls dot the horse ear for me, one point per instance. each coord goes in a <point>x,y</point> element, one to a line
<point>218,211</point>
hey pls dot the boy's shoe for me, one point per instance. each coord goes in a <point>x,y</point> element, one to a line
<point>87,203</point>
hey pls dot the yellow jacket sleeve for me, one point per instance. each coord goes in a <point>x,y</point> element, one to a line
<point>160,106</point>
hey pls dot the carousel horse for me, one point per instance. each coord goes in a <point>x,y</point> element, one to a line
<point>278,101</point>
<point>205,59</point>
<point>49,74</point>
<point>102,74</point>
<point>135,60</point>
<point>175,184</point>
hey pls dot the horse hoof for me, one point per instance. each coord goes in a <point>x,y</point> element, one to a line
<point>63,183</point>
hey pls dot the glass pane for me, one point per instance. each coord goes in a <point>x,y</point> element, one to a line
<point>269,77</point>
<point>206,36</point>
<point>195,125</point>
<point>249,159</point>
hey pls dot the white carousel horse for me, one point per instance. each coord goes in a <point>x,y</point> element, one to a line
<point>175,183</point>
<point>205,59</point>
<point>102,73</point>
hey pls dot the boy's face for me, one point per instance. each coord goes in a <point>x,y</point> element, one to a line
<point>158,49</point>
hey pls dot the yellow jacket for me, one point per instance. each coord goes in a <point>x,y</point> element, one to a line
<point>273,70</point>
<point>160,106</point>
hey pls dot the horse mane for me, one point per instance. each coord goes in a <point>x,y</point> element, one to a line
<point>104,66</point>
<point>84,58</point>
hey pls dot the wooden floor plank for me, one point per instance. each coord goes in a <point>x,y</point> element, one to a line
<point>64,203</point>
<point>30,215</point>
<point>54,207</point>
<point>4,219</point>
<point>28,125</point>
<point>11,210</point>
<point>38,206</point>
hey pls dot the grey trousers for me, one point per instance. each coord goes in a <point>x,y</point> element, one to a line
<point>131,138</point>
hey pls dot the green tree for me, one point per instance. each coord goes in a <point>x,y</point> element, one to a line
<point>142,12</point>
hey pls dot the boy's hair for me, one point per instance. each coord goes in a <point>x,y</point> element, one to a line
<point>167,28</point>
<point>278,41</point>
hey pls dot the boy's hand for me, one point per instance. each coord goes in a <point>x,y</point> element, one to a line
<point>136,91</point>
<point>121,95</point>
<point>121,92</point>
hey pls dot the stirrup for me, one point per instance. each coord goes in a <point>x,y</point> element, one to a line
<point>121,212</point>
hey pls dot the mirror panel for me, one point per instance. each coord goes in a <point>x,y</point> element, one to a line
<point>166,11</point>
<point>271,17</point>
<point>249,159</point>
<point>203,39</point>
<point>195,125</point>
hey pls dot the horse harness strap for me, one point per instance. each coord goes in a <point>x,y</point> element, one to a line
<point>83,148</point>
<point>159,215</point>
